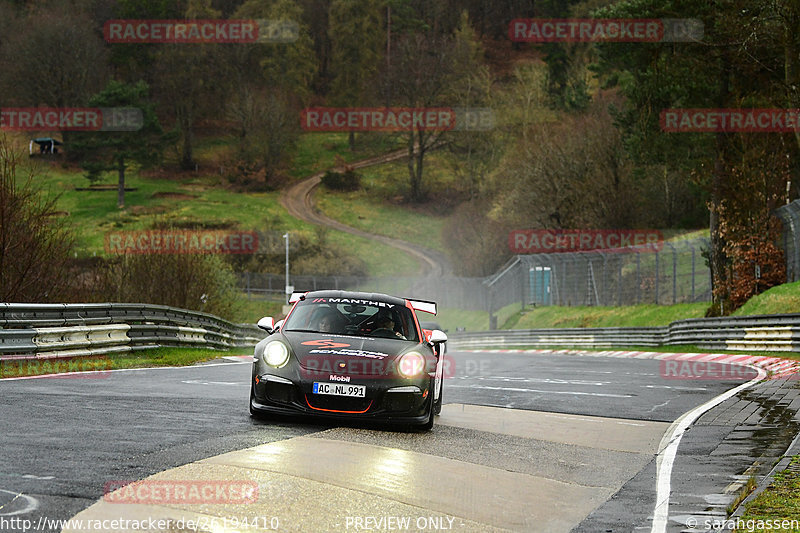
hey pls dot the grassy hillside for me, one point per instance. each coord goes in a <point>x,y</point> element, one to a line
<point>203,199</point>
<point>597,317</point>
<point>781,299</point>
<point>378,206</point>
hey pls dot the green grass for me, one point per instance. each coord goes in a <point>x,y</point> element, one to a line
<point>139,359</point>
<point>777,300</point>
<point>781,299</point>
<point>381,260</point>
<point>453,319</point>
<point>251,310</point>
<point>179,200</point>
<point>779,501</point>
<point>320,151</point>
<point>597,317</point>
<point>193,199</point>
<point>360,211</point>
<point>378,207</point>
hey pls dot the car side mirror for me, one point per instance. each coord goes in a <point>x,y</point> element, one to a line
<point>278,325</point>
<point>267,324</point>
<point>437,337</point>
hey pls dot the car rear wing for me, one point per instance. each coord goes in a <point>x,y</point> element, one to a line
<point>422,305</point>
<point>297,296</point>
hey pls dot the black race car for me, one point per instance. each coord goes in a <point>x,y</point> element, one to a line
<point>350,355</point>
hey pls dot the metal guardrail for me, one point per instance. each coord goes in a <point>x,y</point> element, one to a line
<point>71,330</point>
<point>74,330</point>
<point>780,333</point>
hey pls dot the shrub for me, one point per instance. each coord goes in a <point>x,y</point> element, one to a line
<point>349,180</point>
<point>35,245</point>
<point>201,282</point>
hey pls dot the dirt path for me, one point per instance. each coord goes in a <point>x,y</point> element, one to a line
<point>299,202</point>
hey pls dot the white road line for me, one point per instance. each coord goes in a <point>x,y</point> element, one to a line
<point>31,503</point>
<point>199,382</point>
<point>514,389</point>
<point>668,448</point>
<point>542,380</point>
<point>46,376</point>
<point>588,418</point>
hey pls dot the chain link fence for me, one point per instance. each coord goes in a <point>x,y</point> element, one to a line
<point>790,239</point>
<point>676,274</point>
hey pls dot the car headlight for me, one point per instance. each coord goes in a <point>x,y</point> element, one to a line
<point>276,354</point>
<point>411,365</point>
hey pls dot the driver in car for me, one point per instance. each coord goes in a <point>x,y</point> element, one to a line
<point>326,323</point>
<point>384,326</point>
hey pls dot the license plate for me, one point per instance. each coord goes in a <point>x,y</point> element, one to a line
<point>340,389</point>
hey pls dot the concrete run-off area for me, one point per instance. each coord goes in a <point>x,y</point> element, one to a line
<point>475,472</point>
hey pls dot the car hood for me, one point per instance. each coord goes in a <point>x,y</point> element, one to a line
<point>346,355</point>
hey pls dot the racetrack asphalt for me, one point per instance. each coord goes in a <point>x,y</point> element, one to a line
<point>64,439</point>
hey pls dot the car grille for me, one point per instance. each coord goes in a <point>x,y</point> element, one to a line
<point>335,403</point>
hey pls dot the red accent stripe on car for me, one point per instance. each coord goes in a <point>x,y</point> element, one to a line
<point>337,410</point>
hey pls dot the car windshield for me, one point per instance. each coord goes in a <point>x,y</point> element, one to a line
<point>345,316</point>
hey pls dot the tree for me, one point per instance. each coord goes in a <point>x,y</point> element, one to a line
<point>116,150</point>
<point>475,152</point>
<point>133,62</point>
<point>190,80</point>
<point>201,282</point>
<point>316,18</point>
<point>422,75</point>
<point>52,57</point>
<point>357,39</point>
<point>746,58</point>
<point>266,133</point>
<point>268,84</point>
<point>572,173</point>
<point>35,246</point>
<point>286,67</point>
<point>566,62</point>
